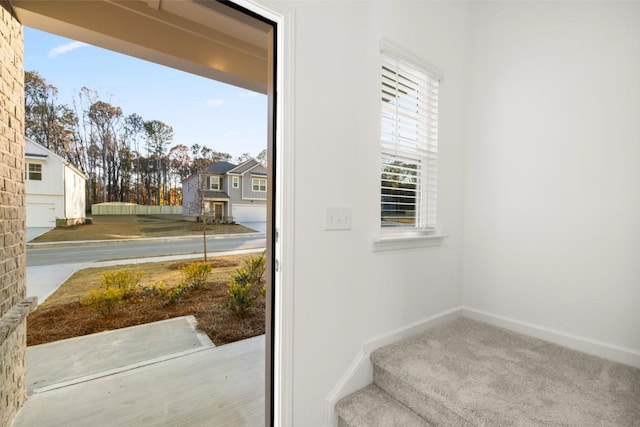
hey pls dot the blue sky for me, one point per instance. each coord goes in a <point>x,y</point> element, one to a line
<point>203,111</point>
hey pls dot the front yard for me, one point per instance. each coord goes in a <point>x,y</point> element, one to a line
<point>109,227</point>
<point>63,316</point>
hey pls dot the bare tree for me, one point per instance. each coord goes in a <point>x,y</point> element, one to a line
<point>105,120</point>
<point>134,125</point>
<point>159,135</point>
<point>104,144</point>
<point>199,205</point>
<point>46,121</point>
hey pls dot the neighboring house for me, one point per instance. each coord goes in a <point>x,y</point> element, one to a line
<point>55,189</point>
<point>227,193</point>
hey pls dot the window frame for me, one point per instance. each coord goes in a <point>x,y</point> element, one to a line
<point>395,144</point>
<point>235,182</point>
<point>219,183</point>
<point>408,140</point>
<point>31,173</point>
<point>259,186</point>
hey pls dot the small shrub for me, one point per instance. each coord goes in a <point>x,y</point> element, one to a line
<point>125,280</point>
<point>256,267</point>
<point>241,297</point>
<point>157,289</point>
<point>114,287</point>
<point>103,301</point>
<point>176,292</point>
<point>195,275</point>
<point>247,284</point>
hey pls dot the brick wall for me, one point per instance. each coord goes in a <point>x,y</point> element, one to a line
<point>13,306</point>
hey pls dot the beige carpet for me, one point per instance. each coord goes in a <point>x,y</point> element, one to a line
<point>468,371</point>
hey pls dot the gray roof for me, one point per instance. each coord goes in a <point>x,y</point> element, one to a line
<point>219,168</point>
<point>214,194</point>
<point>242,167</point>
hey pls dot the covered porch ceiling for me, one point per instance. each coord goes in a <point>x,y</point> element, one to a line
<point>201,37</point>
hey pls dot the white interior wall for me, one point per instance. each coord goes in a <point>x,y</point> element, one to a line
<point>552,204</point>
<point>344,293</point>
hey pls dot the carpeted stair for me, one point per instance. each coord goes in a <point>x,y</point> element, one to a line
<point>468,373</point>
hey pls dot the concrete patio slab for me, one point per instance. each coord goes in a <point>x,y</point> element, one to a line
<point>218,386</point>
<point>81,358</point>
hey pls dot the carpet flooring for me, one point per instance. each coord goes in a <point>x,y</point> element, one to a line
<point>466,372</point>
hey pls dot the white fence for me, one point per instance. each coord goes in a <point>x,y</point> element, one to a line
<point>133,209</point>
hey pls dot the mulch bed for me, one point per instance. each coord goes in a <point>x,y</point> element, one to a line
<point>207,304</point>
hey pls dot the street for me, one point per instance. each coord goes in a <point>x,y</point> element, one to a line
<point>89,252</point>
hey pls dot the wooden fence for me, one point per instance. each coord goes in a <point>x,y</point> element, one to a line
<point>133,209</point>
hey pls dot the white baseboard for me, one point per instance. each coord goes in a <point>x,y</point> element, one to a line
<point>359,374</point>
<point>597,348</point>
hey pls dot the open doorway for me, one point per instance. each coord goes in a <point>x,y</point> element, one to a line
<point>165,44</point>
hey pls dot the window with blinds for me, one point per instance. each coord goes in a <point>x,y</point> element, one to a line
<point>409,145</point>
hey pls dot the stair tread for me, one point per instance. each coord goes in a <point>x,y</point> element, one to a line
<point>483,374</point>
<point>373,407</point>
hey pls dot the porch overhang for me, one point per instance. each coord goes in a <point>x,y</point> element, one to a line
<point>223,45</point>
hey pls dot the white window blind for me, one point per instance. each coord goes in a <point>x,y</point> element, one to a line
<point>409,145</point>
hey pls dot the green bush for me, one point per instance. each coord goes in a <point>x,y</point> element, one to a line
<point>195,275</point>
<point>103,301</point>
<point>157,289</point>
<point>176,292</point>
<point>125,280</point>
<point>247,284</point>
<point>114,288</point>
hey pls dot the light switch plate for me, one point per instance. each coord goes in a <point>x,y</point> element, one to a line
<point>338,218</point>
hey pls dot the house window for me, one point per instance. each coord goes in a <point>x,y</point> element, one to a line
<point>259,185</point>
<point>409,144</point>
<point>34,172</point>
<point>235,182</point>
<point>214,183</point>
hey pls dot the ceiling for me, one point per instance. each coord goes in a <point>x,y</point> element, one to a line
<point>202,37</point>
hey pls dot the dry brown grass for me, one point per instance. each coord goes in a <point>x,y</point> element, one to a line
<point>62,316</point>
<point>109,227</point>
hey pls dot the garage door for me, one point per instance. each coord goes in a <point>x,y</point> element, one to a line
<point>249,213</point>
<point>41,215</point>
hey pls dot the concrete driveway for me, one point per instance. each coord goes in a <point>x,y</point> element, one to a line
<point>44,280</point>
<point>260,226</point>
<point>33,232</point>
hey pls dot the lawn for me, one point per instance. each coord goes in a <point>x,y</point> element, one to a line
<point>62,315</point>
<point>108,227</point>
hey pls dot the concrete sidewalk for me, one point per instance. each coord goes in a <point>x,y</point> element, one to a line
<point>143,239</point>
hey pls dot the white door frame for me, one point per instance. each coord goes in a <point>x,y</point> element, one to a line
<point>283,220</point>
<point>284,206</point>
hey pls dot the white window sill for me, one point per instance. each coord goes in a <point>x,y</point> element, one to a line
<point>404,241</point>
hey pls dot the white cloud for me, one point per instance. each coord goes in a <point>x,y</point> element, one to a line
<point>248,94</point>
<point>65,48</point>
<point>215,101</point>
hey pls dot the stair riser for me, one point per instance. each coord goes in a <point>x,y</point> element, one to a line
<point>421,404</point>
